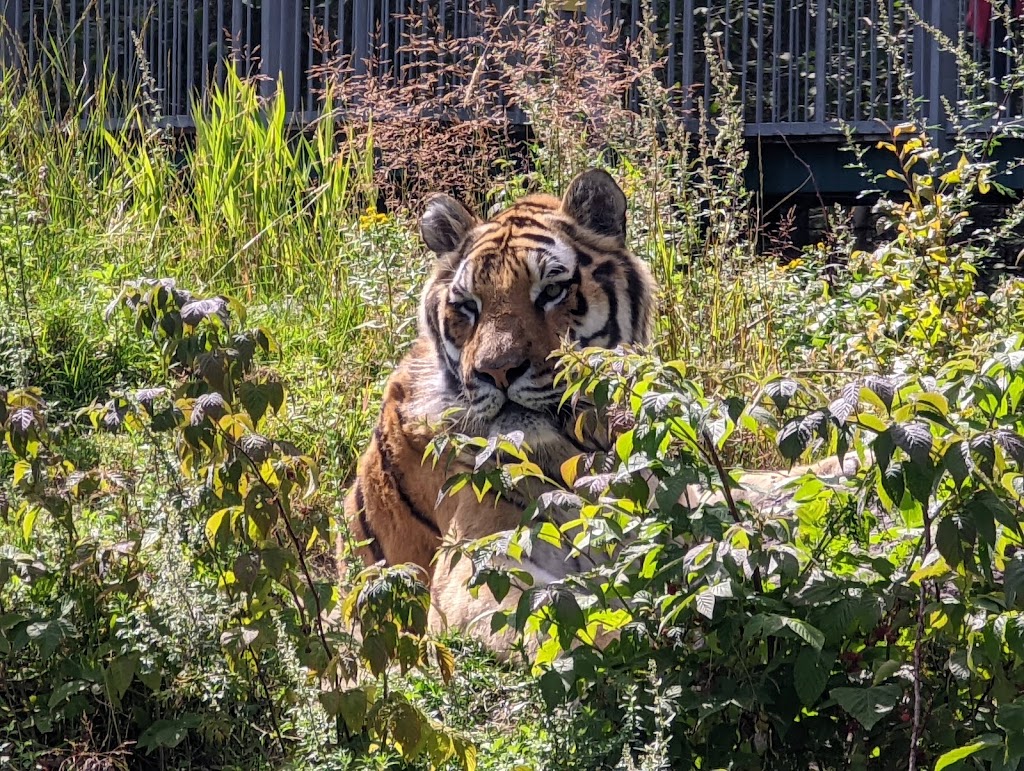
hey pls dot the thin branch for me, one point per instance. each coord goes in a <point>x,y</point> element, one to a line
<point>915,734</point>
<point>712,455</point>
<point>299,551</point>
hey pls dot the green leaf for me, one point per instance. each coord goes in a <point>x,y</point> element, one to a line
<point>766,624</point>
<point>255,399</point>
<point>846,405</point>
<point>885,670</point>
<point>954,756</point>
<point>553,689</point>
<point>781,391</point>
<point>955,461</point>
<point>919,478</point>
<point>984,523</point>
<point>706,604</point>
<point>793,438</point>
<point>28,523</point>
<point>947,540</point>
<point>47,635</point>
<point>375,650</point>
<point>215,525</point>
<point>1010,717</point>
<point>881,387</point>
<point>868,705</point>
<point>915,440</point>
<point>983,453</point>
<point>883,447</point>
<point>63,692</point>
<point>984,504</point>
<point>409,729</point>
<point>1013,579</point>
<point>445,662</point>
<point>810,674</point>
<point>891,482</point>
<point>168,733</point>
<point>809,634</point>
<point>352,705</point>
<point>119,675</point>
<point>1013,445</point>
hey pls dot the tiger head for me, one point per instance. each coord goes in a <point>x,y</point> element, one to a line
<point>506,292</point>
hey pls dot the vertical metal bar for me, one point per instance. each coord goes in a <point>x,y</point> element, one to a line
<point>237,40</point>
<point>310,44</point>
<point>726,41</point>
<point>344,47</point>
<point>312,39</point>
<point>10,25</point>
<point>219,34</point>
<point>87,70</point>
<point>293,94</point>
<point>873,72</point>
<point>839,36</point>
<point>857,59</point>
<point>120,72</point>
<point>688,54</point>
<point>361,34</point>
<point>776,60</point>
<point>131,55</point>
<point>270,47</point>
<point>249,41</point>
<point>32,34</point>
<point>820,63</point>
<point>670,71</point>
<point>397,14</point>
<point>745,58</point>
<point>759,87</point>
<point>73,28</point>
<point>205,50</point>
<point>385,36</point>
<point>182,98</point>
<point>707,61</point>
<point>790,68</point>
<point>160,60</point>
<point>889,62</point>
<point>279,45</point>
<point>57,81</point>
<point>190,57</point>
<point>945,82</point>
<point>326,32</point>
<point>991,53</point>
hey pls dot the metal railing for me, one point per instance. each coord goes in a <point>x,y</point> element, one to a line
<point>801,66</point>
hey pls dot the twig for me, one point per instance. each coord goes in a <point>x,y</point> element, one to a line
<point>299,552</point>
<point>270,699</point>
<point>712,455</point>
<point>915,734</point>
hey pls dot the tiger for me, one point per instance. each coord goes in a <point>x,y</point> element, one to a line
<point>503,295</point>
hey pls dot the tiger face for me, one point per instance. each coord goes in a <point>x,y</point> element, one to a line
<point>506,292</point>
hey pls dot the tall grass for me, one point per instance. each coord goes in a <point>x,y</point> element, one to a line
<point>283,215</point>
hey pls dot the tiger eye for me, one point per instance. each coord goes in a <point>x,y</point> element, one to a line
<point>551,293</point>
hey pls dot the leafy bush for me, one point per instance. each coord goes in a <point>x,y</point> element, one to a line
<point>175,606</point>
<point>849,621</point>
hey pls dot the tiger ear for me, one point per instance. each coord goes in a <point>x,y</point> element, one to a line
<point>444,223</point>
<point>596,202</point>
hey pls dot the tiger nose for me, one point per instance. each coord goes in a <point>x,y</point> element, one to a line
<point>502,374</point>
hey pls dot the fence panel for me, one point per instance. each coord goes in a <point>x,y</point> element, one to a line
<point>799,66</point>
